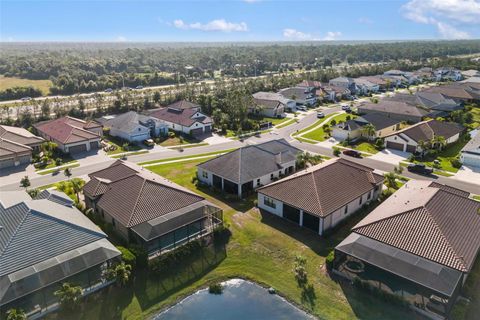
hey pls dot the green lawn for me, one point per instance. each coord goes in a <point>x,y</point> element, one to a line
<point>66,159</point>
<point>11,82</point>
<point>213,153</point>
<point>449,153</point>
<point>118,143</point>
<point>261,248</point>
<point>476,117</point>
<point>178,140</point>
<point>476,198</point>
<point>364,146</point>
<point>65,187</point>
<point>319,134</point>
<point>286,123</point>
<point>60,170</point>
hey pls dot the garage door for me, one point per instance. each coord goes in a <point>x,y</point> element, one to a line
<point>208,128</point>
<point>24,159</point>
<point>93,145</point>
<point>77,149</point>
<point>196,132</point>
<point>291,213</point>
<point>311,222</point>
<point>394,145</point>
<point>7,163</point>
<point>410,148</point>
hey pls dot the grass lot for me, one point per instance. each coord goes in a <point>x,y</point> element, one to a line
<point>476,198</point>
<point>176,141</point>
<point>118,143</point>
<point>449,153</point>
<point>60,171</point>
<point>66,159</point>
<point>319,134</point>
<point>11,82</point>
<point>476,117</point>
<point>213,153</point>
<point>261,248</point>
<point>364,146</point>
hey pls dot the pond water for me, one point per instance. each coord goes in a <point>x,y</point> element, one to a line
<point>240,300</point>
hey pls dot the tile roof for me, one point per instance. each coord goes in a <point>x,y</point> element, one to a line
<point>428,221</point>
<point>36,230</point>
<point>127,121</point>
<point>395,107</point>
<point>379,121</point>
<point>68,129</point>
<point>182,117</point>
<point>19,135</point>
<point>452,91</point>
<point>324,188</point>
<point>300,93</point>
<point>473,146</point>
<point>251,162</point>
<point>184,104</point>
<point>9,148</point>
<point>427,130</point>
<point>133,195</point>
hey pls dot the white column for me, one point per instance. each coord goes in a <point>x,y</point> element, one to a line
<point>301,218</point>
<point>320,227</point>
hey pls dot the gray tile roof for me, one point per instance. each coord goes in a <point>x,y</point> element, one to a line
<point>251,162</point>
<point>427,130</point>
<point>36,230</point>
<point>126,122</point>
<point>182,117</point>
<point>133,195</point>
<point>184,104</point>
<point>324,188</point>
<point>19,135</point>
<point>430,222</point>
<point>473,146</point>
<point>379,121</point>
<point>55,196</point>
<point>395,107</point>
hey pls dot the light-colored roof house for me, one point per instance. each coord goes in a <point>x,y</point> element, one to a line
<point>271,104</point>
<point>16,146</point>
<point>470,154</point>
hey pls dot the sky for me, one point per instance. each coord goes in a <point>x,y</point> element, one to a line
<point>240,20</point>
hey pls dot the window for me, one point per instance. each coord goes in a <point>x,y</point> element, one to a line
<point>271,176</point>
<point>369,195</point>
<point>205,174</point>
<point>360,200</point>
<point>346,209</point>
<point>269,202</point>
<point>376,188</point>
<point>113,222</point>
<point>258,182</point>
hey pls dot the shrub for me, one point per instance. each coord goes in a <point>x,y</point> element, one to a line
<point>336,151</point>
<point>379,144</point>
<point>215,288</point>
<point>58,161</point>
<point>456,163</point>
<point>127,256</point>
<point>329,260</point>
<point>333,122</point>
<point>171,134</point>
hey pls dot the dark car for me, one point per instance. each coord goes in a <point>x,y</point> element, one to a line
<point>419,168</point>
<point>352,153</point>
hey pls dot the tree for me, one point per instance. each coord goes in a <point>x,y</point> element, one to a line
<point>306,159</point>
<point>391,180</point>
<point>77,187</point>
<point>439,142</point>
<point>156,97</point>
<point>299,270</point>
<point>16,314</point>
<point>69,295</point>
<point>25,182</point>
<point>67,172</point>
<point>369,130</point>
<point>120,273</point>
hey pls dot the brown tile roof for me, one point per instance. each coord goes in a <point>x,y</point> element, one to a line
<point>324,188</point>
<point>427,130</point>
<point>179,116</point>
<point>395,107</point>
<point>438,224</point>
<point>19,135</point>
<point>67,130</point>
<point>133,195</point>
<point>452,91</point>
<point>183,104</point>
<point>9,148</point>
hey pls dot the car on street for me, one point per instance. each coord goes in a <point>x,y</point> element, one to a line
<point>419,168</point>
<point>109,90</point>
<point>352,153</point>
<point>302,108</point>
<point>149,142</point>
<point>346,107</point>
<point>139,87</point>
<point>26,99</point>
<point>320,115</point>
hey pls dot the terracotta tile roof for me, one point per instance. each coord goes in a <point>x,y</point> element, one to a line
<point>183,117</point>
<point>251,162</point>
<point>19,135</point>
<point>67,130</point>
<point>133,195</point>
<point>436,223</point>
<point>324,188</point>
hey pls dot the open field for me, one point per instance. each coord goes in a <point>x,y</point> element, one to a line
<point>11,82</point>
<point>319,134</point>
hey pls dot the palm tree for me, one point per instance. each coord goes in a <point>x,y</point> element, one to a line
<point>391,180</point>
<point>306,159</point>
<point>77,187</point>
<point>439,142</point>
<point>120,273</point>
<point>16,314</point>
<point>69,295</point>
<point>369,130</point>
<point>67,172</point>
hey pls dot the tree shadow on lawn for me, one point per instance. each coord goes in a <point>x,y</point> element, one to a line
<point>241,205</point>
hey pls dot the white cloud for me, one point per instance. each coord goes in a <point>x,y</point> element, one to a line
<point>214,25</point>
<point>293,34</point>
<point>120,39</point>
<point>296,35</point>
<point>444,13</point>
<point>331,35</point>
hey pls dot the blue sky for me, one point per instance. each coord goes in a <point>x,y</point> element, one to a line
<point>251,20</point>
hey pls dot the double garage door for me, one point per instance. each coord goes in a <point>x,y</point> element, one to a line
<point>77,149</point>
<point>7,163</point>
<point>196,132</point>
<point>400,146</point>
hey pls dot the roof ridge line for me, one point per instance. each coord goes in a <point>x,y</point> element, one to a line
<point>387,218</point>
<point>18,227</point>
<point>316,192</point>
<point>136,201</point>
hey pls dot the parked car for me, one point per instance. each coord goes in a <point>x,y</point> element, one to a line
<point>352,153</point>
<point>26,99</point>
<point>139,87</point>
<point>302,108</point>
<point>346,107</point>
<point>320,115</point>
<point>419,168</point>
<point>109,90</point>
<point>149,143</point>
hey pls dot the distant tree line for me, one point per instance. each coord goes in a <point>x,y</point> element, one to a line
<point>19,92</point>
<point>77,68</point>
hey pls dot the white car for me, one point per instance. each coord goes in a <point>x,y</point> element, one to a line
<point>302,108</point>
<point>320,115</point>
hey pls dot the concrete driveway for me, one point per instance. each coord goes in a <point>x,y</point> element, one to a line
<point>469,174</point>
<point>391,156</point>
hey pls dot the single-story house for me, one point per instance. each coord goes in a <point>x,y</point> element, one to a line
<point>134,127</point>
<point>16,146</point>
<point>245,169</point>
<point>321,196</point>
<point>378,80</point>
<point>460,92</point>
<point>184,104</point>
<point>147,209</point>
<point>353,129</point>
<point>397,110</point>
<point>271,104</point>
<point>70,134</point>
<point>301,95</point>
<point>420,243</point>
<point>470,154</point>
<point>187,120</point>
<point>45,242</point>
<point>436,103</point>
<point>310,84</point>
<point>409,139</point>
<point>410,77</point>
<point>365,86</point>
